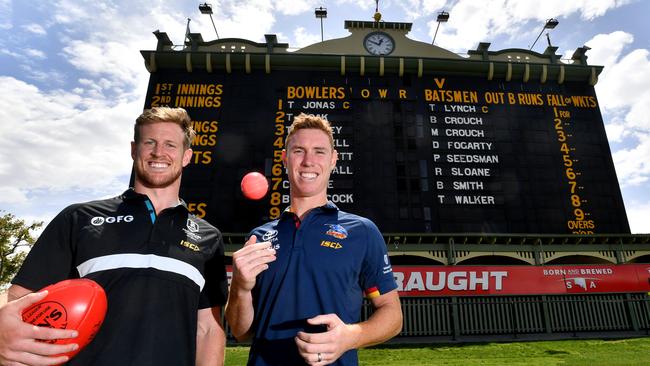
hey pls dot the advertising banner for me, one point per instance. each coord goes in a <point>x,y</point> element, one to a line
<point>520,280</point>
<point>428,281</point>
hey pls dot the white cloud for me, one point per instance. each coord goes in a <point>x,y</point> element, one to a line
<point>98,44</point>
<point>35,29</point>
<point>639,115</point>
<point>472,21</point>
<point>587,9</point>
<point>34,53</point>
<point>361,4</point>
<point>5,14</point>
<point>432,6</point>
<point>11,195</point>
<point>590,9</point>
<point>615,131</point>
<point>10,53</point>
<point>52,77</point>
<point>632,164</point>
<point>70,144</point>
<point>66,142</point>
<point>248,19</point>
<point>116,60</point>
<point>25,55</point>
<point>69,11</point>
<point>303,38</point>
<point>415,9</point>
<point>469,23</point>
<point>295,7</point>
<point>606,49</point>
<point>637,215</point>
<point>624,98</point>
<point>625,85</point>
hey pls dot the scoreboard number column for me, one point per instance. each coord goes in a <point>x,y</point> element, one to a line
<point>276,169</point>
<point>580,222</point>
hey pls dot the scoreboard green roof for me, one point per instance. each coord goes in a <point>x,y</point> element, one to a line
<point>347,56</point>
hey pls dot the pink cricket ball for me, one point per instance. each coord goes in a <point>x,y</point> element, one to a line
<point>254,186</point>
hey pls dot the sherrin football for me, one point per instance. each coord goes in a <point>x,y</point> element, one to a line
<point>78,304</point>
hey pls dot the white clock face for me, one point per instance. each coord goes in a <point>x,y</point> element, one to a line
<point>378,43</point>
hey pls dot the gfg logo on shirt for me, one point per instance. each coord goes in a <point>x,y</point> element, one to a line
<point>98,220</point>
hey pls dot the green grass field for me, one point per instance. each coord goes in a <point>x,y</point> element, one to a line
<point>618,352</point>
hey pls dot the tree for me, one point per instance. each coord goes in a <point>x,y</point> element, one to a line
<point>15,240</point>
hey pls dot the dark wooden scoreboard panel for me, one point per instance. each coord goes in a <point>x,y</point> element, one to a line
<point>444,153</point>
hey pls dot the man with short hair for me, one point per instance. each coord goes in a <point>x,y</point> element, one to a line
<point>161,266</point>
<point>298,292</point>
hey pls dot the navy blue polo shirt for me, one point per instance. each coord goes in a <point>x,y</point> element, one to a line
<point>324,265</point>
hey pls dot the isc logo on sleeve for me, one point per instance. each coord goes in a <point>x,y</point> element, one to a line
<point>190,245</point>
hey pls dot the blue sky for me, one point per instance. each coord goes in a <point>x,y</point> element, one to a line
<point>72,79</point>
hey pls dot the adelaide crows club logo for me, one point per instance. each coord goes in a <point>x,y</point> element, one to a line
<point>336,231</point>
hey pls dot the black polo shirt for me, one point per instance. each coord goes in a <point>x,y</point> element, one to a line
<point>157,271</point>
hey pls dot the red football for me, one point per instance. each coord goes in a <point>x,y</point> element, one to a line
<point>78,304</point>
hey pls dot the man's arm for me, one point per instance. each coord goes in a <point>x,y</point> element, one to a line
<point>248,262</point>
<point>383,324</point>
<point>15,292</point>
<point>240,312</point>
<point>210,338</point>
<point>18,340</point>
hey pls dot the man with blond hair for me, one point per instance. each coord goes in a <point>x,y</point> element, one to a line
<point>298,282</point>
<point>161,266</point>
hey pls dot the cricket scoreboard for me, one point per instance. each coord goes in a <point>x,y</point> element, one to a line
<point>441,153</point>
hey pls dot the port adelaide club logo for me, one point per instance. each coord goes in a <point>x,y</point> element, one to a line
<point>192,226</point>
<point>191,229</point>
